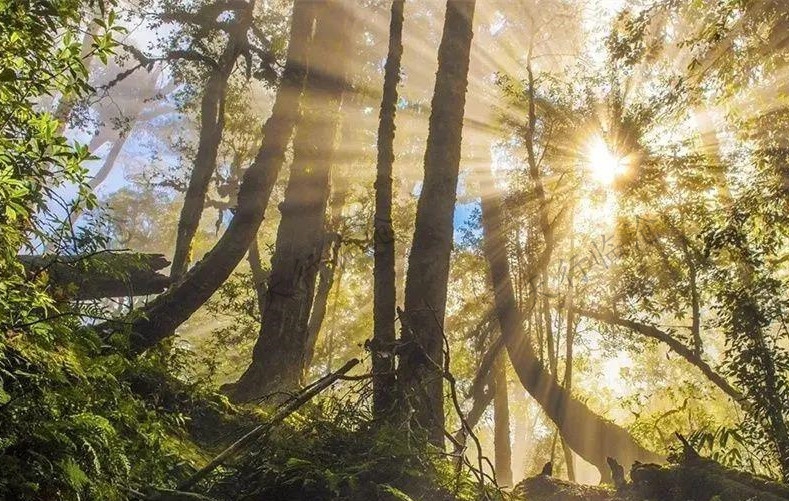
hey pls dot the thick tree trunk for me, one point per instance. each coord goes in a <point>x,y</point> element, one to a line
<point>174,307</point>
<point>591,436</point>
<point>212,125</point>
<point>421,363</point>
<point>331,259</point>
<point>384,289</point>
<point>501,425</point>
<point>279,357</point>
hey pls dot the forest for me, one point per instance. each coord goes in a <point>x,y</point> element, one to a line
<point>496,250</point>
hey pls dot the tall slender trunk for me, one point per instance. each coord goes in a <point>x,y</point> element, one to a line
<point>333,328</point>
<point>421,363</point>
<point>212,125</point>
<point>501,425</point>
<point>279,356</point>
<point>545,310</point>
<point>384,289</point>
<point>168,311</point>
<point>569,339</point>
<point>331,261</point>
<point>326,276</point>
<point>591,436</point>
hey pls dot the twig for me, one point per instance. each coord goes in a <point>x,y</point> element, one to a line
<point>280,416</point>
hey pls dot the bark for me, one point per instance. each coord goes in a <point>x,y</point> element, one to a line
<point>331,260</point>
<point>569,339</point>
<point>421,363</point>
<point>384,289</point>
<point>501,425</point>
<point>174,307</point>
<point>588,434</point>
<point>326,275</point>
<point>212,124</point>
<point>109,161</point>
<point>259,275</point>
<point>280,354</point>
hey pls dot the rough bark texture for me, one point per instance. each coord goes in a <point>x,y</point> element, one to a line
<point>212,124</point>
<point>421,363</point>
<point>501,425</point>
<point>384,289</point>
<point>320,304</point>
<point>591,436</point>
<point>279,356</point>
<point>174,307</point>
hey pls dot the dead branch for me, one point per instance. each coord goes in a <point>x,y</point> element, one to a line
<point>240,444</point>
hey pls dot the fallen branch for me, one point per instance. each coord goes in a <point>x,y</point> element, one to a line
<point>101,275</point>
<point>170,495</point>
<point>280,416</point>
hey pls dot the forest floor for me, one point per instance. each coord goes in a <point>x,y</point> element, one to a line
<point>691,478</point>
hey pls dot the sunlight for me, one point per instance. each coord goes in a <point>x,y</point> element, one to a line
<point>604,164</point>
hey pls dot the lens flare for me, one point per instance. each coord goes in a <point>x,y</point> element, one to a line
<point>604,164</point>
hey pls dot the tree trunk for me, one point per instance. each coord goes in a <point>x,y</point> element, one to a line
<point>569,339</point>
<point>174,307</point>
<point>421,363</point>
<point>259,275</point>
<point>279,357</point>
<point>591,436</point>
<point>109,161</point>
<point>212,124</point>
<point>501,425</point>
<point>384,290</point>
<point>326,275</point>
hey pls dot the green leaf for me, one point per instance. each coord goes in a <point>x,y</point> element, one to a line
<point>397,493</point>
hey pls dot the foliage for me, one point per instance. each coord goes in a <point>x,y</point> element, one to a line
<point>331,451</point>
<point>72,428</point>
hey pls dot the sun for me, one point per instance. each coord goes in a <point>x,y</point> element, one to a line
<point>604,164</point>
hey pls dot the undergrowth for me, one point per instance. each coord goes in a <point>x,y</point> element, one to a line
<point>332,452</point>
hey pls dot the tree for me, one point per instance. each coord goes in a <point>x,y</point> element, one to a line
<point>212,121</point>
<point>384,288</point>
<point>161,318</point>
<point>421,363</point>
<point>592,437</point>
<point>280,354</point>
<point>501,424</point>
